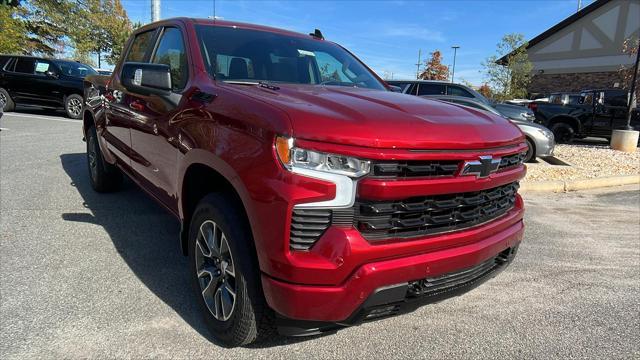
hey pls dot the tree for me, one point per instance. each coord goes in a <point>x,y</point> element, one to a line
<point>102,27</point>
<point>510,77</point>
<point>433,68</point>
<point>629,47</point>
<point>14,38</point>
<point>486,91</point>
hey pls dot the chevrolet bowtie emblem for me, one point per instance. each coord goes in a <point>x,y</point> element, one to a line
<point>481,168</point>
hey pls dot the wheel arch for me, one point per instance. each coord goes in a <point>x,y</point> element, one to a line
<point>203,176</point>
<point>573,122</point>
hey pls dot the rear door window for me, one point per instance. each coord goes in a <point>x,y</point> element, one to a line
<point>431,89</point>
<point>42,66</point>
<point>25,65</point>
<point>140,46</point>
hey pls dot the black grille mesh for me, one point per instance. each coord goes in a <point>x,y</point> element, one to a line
<point>447,282</point>
<point>512,160</point>
<point>407,169</point>
<point>433,214</point>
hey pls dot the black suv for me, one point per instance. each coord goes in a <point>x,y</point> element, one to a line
<point>50,83</point>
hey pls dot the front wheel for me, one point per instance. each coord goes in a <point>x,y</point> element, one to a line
<point>5,99</point>
<point>531,152</point>
<point>73,106</point>
<point>563,132</point>
<point>225,274</point>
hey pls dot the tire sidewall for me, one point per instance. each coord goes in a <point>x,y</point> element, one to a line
<point>531,152</point>
<point>9,104</point>
<point>560,129</point>
<point>237,238</point>
<point>66,106</point>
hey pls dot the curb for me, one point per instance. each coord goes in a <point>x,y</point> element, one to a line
<point>581,184</point>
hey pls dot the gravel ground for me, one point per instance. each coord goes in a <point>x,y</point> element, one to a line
<point>587,161</point>
<point>99,276</point>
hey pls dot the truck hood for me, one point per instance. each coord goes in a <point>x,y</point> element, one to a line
<point>384,119</point>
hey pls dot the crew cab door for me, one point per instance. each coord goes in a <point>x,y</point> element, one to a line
<point>609,112</point>
<point>120,104</point>
<point>155,135</point>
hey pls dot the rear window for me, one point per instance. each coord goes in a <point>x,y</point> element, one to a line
<point>458,91</point>
<point>431,89</point>
<point>25,65</point>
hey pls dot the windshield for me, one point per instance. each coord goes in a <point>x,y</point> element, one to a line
<point>242,55</point>
<point>76,69</point>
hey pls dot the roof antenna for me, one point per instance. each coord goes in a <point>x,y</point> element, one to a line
<point>317,34</point>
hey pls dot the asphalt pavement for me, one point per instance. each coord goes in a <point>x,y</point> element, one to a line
<point>86,275</point>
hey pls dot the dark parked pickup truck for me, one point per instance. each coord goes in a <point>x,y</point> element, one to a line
<point>596,113</point>
<point>311,197</point>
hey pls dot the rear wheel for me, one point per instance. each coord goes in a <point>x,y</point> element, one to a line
<point>225,273</point>
<point>73,106</point>
<point>104,177</point>
<point>563,132</point>
<point>531,152</point>
<point>5,99</point>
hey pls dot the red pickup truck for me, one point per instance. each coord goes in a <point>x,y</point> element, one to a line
<point>311,197</point>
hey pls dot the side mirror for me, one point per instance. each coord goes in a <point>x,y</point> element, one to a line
<point>147,79</point>
<point>394,88</point>
<point>51,74</point>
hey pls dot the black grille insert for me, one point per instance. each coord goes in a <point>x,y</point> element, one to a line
<point>513,160</point>
<point>408,169</point>
<point>307,225</point>
<point>432,214</point>
<point>451,281</point>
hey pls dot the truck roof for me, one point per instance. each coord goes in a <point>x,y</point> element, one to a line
<point>226,23</point>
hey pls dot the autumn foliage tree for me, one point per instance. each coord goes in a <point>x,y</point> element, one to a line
<point>47,27</point>
<point>433,68</point>
<point>486,91</point>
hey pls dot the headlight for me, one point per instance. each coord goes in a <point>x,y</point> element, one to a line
<point>294,157</point>
<point>340,170</point>
<point>546,133</point>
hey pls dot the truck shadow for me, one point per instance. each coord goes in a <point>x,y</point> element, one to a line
<point>146,237</point>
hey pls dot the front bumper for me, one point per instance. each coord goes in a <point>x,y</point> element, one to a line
<point>342,304</point>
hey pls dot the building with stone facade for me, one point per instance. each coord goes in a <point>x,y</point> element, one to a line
<point>584,51</point>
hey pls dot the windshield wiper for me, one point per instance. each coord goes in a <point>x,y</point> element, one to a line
<point>261,83</point>
<point>267,85</point>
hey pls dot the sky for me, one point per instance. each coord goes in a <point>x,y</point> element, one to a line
<point>387,35</point>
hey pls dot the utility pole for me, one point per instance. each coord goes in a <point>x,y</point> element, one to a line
<point>418,64</point>
<point>579,5</point>
<point>155,10</point>
<point>455,52</point>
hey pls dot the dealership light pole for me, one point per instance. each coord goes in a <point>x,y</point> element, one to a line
<point>155,10</point>
<point>418,64</point>
<point>455,51</point>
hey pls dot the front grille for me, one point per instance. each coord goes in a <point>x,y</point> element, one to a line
<point>512,160</point>
<point>307,225</point>
<point>408,169</point>
<point>418,216</point>
<point>451,281</point>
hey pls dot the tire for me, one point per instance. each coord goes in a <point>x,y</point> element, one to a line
<point>248,318</point>
<point>563,132</point>
<point>104,177</point>
<point>73,106</point>
<point>9,105</point>
<point>531,152</point>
